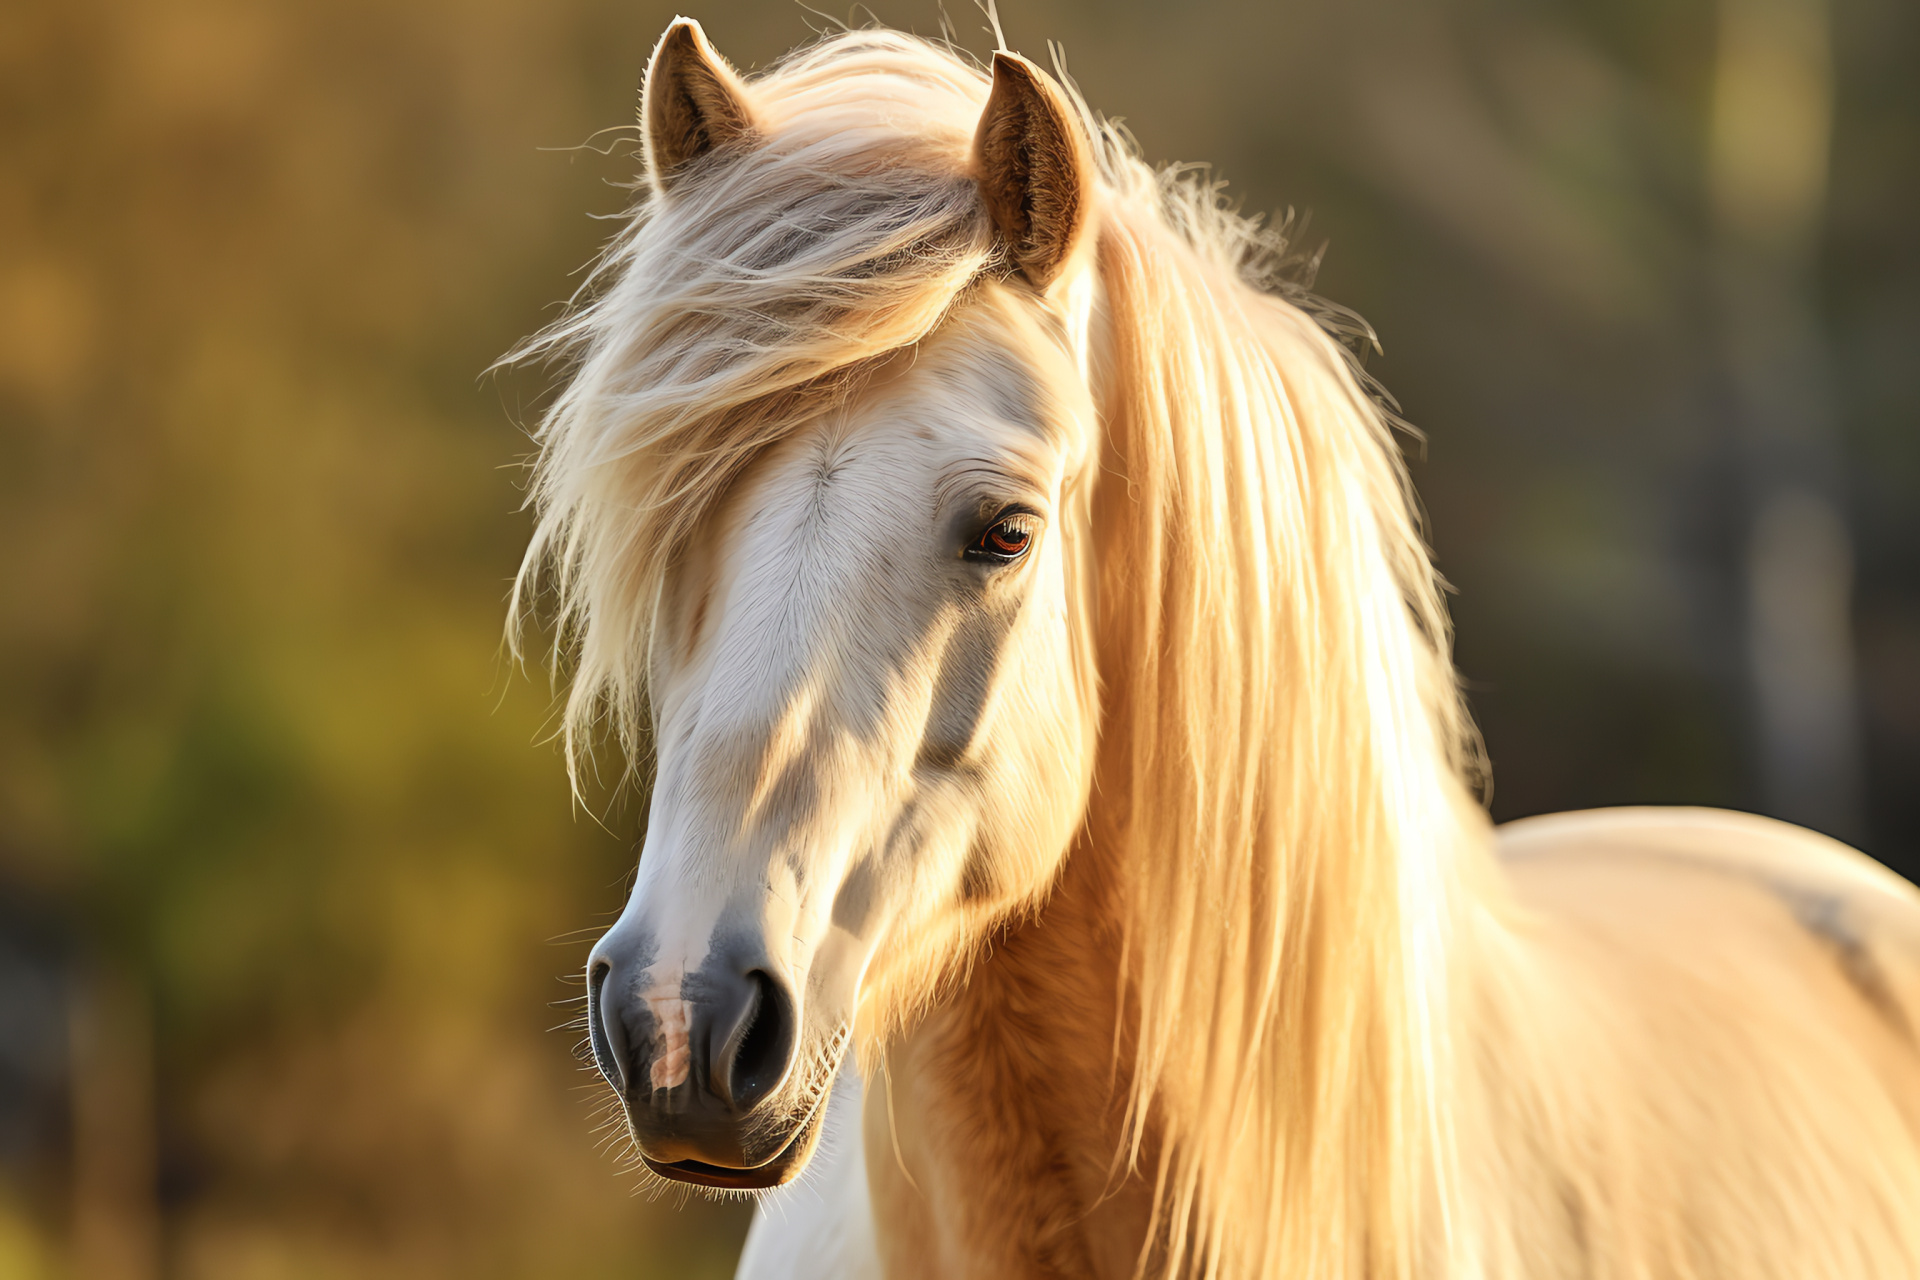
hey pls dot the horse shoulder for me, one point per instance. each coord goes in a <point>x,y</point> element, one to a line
<point>820,1226</point>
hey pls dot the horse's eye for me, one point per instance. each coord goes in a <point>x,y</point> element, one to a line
<point>1003,542</point>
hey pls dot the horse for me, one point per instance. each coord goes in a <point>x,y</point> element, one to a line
<point>1062,798</point>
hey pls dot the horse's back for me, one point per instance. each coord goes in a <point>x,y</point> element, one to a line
<point>1866,918</point>
<point>1721,1011</point>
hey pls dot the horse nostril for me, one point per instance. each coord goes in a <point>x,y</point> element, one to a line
<point>765,1043</point>
<point>605,1056</point>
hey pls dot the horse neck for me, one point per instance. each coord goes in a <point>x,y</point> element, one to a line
<point>1003,1108</point>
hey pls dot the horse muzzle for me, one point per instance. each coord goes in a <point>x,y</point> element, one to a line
<point>703,1061</point>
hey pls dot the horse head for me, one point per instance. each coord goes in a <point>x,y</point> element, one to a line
<point>862,635</point>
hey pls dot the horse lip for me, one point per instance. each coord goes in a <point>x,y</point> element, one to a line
<point>780,1168</point>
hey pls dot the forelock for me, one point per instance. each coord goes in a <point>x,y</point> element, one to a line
<point>733,311</point>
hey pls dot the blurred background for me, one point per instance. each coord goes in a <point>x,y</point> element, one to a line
<point>289,878</point>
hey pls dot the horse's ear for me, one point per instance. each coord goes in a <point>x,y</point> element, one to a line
<point>1034,166</point>
<point>692,103</point>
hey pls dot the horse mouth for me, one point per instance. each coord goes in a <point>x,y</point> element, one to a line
<point>782,1168</point>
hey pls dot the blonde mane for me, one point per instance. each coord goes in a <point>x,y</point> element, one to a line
<point>1279,795</point>
<point>1286,732</point>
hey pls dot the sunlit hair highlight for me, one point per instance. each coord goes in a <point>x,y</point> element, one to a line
<point>1282,774</point>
